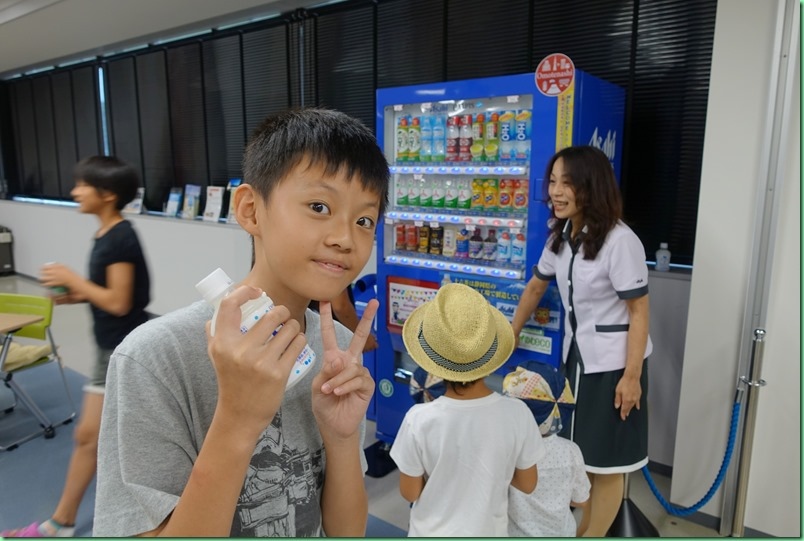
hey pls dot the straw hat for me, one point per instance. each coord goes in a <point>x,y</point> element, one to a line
<point>458,336</point>
<point>545,391</point>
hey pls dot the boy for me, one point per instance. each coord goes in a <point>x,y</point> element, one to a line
<point>563,481</point>
<point>458,454</point>
<point>117,290</point>
<point>199,437</point>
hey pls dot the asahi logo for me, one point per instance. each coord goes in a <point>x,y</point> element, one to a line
<point>608,145</point>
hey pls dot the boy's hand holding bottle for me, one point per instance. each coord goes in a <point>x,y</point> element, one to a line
<point>253,367</point>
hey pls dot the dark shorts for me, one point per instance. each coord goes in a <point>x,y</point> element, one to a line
<point>98,381</point>
<point>609,444</point>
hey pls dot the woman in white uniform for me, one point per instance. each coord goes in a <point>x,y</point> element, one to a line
<point>599,266</point>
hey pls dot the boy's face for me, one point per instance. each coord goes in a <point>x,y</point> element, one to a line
<point>315,234</point>
<point>90,200</point>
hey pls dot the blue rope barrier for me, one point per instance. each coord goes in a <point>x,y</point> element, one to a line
<point>684,511</point>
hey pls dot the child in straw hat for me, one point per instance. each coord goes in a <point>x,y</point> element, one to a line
<point>458,454</point>
<point>563,481</point>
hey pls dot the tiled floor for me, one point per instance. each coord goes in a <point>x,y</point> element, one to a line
<point>72,330</point>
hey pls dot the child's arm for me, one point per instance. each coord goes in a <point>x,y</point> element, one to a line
<point>411,487</point>
<point>341,394</point>
<point>116,298</point>
<point>585,516</point>
<point>525,480</point>
<point>252,372</point>
<point>345,311</point>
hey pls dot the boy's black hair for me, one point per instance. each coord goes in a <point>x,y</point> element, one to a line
<point>458,386</point>
<point>331,138</point>
<point>109,174</point>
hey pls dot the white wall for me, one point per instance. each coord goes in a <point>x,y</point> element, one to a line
<point>179,252</point>
<point>732,164</point>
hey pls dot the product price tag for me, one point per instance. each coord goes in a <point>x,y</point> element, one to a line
<point>418,223</point>
<point>434,224</point>
<point>398,107</point>
<point>515,230</point>
<point>427,106</point>
<point>389,220</point>
<point>512,99</point>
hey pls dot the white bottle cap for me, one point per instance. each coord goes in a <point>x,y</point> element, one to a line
<point>663,245</point>
<point>214,285</point>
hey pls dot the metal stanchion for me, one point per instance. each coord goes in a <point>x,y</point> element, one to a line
<point>630,521</point>
<point>751,396</point>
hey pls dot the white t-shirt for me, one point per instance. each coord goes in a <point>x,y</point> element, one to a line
<point>600,288</point>
<point>562,479</point>
<point>467,450</point>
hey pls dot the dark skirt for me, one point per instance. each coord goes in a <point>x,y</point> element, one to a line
<point>609,444</point>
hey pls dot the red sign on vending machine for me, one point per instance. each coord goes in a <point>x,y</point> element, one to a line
<point>555,74</point>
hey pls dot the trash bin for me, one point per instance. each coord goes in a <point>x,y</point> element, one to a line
<point>6,251</point>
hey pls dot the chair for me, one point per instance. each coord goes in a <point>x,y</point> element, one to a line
<point>16,358</point>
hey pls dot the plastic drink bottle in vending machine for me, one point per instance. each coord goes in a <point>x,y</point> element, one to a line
<point>453,134</point>
<point>462,244</point>
<point>477,194</point>
<point>491,149</point>
<point>414,139</point>
<point>449,244</point>
<point>476,245</point>
<point>436,240</point>
<point>464,193</point>
<point>521,195</point>
<point>504,247</point>
<point>424,238</point>
<point>465,139</point>
<point>507,135</point>
<point>401,190</point>
<point>518,249</point>
<point>425,191</point>
<point>490,195</point>
<point>439,138</point>
<point>450,193</point>
<point>402,139</point>
<point>413,192</point>
<point>477,137</point>
<point>426,150</point>
<point>490,246</point>
<point>437,188</point>
<point>506,194</point>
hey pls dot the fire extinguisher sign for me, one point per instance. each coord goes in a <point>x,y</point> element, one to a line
<point>555,74</point>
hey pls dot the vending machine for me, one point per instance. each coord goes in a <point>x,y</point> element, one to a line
<point>467,202</point>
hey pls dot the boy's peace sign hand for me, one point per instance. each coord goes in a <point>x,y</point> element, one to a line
<point>343,388</point>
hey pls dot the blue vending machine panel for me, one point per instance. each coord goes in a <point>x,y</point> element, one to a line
<point>467,205</point>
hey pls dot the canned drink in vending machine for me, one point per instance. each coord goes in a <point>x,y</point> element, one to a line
<point>400,237</point>
<point>411,237</point>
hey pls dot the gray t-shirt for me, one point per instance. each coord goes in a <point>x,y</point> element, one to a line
<point>161,394</point>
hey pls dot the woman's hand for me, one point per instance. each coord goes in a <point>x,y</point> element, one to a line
<point>627,395</point>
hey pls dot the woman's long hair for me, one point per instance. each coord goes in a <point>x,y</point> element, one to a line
<point>596,196</point>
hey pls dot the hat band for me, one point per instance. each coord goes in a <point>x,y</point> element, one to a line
<point>453,366</point>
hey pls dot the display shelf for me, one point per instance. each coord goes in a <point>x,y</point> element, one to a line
<point>456,219</point>
<point>468,266</point>
<point>455,169</point>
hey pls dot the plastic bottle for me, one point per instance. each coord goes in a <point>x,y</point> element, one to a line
<point>504,247</point>
<point>439,139</point>
<point>446,279</point>
<point>476,245</point>
<point>425,191</point>
<point>449,244</point>
<point>518,249</point>
<point>413,192</point>
<point>402,139</point>
<point>414,139</point>
<point>437,189</point>
<point>453,134</point>
<point>464,194</point>
<point>462,244</point>
<point>663,257</point>
<point>401,193</point>
<point>465,139</point>
<point>520,196</point>
<point>217,285</point>
<point>450,193</point>
<point>426,150</point>
<point>490,246</point>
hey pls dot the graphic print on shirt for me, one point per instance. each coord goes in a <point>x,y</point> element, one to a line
<point>280,493</point>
